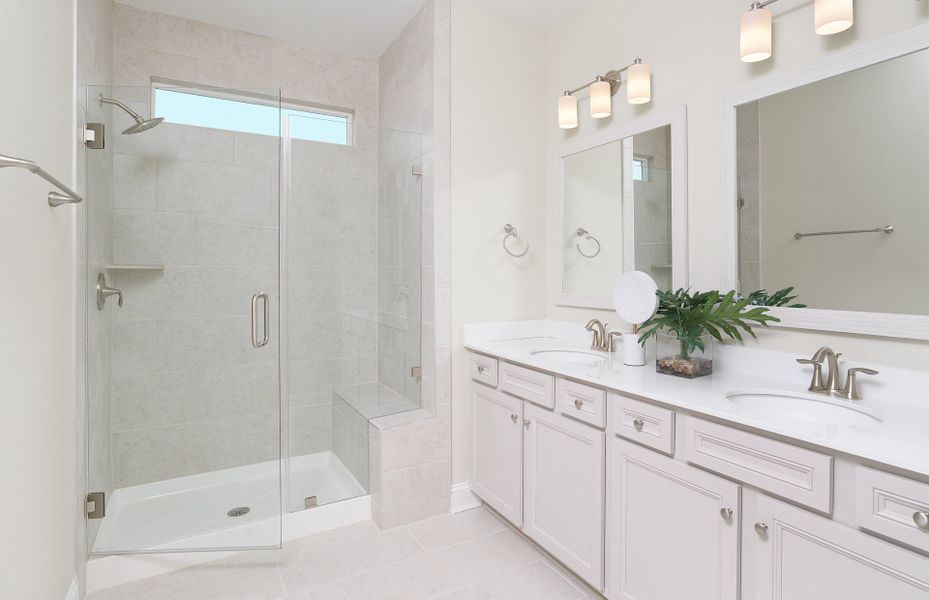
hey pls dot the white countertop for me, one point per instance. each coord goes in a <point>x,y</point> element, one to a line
<point>899,396</point>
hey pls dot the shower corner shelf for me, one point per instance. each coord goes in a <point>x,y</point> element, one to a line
<point>125,267</point>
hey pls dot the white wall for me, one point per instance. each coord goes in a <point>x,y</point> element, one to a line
<point>37,266</point>
<point>498,176</point>
<point>693,51</point>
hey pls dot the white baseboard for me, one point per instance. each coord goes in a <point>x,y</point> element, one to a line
<point>463,498</point>
<point>110,571</point>
<point>74,592</point>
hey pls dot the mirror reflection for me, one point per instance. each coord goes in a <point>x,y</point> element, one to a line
<point>832,184</point>
<point>616,213</point>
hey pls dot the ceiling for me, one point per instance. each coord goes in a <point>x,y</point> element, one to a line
<point>354,27</point>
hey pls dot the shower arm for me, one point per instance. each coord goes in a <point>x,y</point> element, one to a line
<point>54,198</point>
<point>104,100</point>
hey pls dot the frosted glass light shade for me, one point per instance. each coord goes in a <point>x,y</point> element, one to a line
<point>833,16</point>
<point>755,35</point>
<point>567,112</point>
<point>639,84</point>
<point>601,104</point>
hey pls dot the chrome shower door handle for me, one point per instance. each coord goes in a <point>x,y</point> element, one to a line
<point>260,343</point>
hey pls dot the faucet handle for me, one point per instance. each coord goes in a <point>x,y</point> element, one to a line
<point>816,384</point>
<point>611,340</point>
<point>852,391</point>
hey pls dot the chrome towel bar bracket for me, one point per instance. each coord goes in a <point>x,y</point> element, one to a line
<point>54,198</point>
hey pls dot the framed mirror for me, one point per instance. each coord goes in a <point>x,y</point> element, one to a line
<point>828,190</point>
<point>622,207</point>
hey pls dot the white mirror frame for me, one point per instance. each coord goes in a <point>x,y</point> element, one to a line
<point>677,120</point>
<point>841,321</point>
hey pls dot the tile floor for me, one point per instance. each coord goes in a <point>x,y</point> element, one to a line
<point>469,556</point>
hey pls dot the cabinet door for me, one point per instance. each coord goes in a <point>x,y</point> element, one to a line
<point>564,486</point>
<point>497,451</point>
<point>674,528</point>
<point>803,556</point>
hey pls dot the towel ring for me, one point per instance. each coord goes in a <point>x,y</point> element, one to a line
<point>581,231</point>
<point>510,232</point>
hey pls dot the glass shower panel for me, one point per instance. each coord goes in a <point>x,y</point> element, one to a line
<point>354,214</point>
<point>184,416</point>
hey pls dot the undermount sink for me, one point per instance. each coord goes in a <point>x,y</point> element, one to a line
<point>567,355</point>
<point>811,408</point>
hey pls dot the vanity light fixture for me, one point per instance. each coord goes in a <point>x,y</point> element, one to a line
<point>638,91</point>
<point>567,111</point>
<point>830,16</point>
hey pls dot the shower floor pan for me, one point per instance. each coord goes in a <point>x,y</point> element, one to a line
<point>191,512</point>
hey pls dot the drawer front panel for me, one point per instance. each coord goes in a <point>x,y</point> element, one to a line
<point>534,386</point>
<point>581,402</point>
<point>641,422</point>
<point>785,470</point>
<point>892,506</point>
<point>484,369</point>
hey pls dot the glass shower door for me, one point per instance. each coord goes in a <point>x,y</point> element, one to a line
<point>183,376</point>
<point>353,216</point>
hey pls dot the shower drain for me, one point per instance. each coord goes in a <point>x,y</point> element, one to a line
<point>238,511</point>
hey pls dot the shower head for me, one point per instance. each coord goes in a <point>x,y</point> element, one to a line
<point>140,123</point>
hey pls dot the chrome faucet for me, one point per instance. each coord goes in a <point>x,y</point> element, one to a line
<point>600,341</point>
<point>831,387</point>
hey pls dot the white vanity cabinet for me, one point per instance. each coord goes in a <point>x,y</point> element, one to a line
<point>799,555</point>
<point>497,451</point>
<point>646,501</point>
<point>539,469</point>
<point>674,529</point>
<point>564,463</point>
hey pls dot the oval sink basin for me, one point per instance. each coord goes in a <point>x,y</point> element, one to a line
<point>811,408</point>
<point>572,356</point>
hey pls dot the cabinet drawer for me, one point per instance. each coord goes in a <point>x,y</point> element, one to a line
<point>582,402</point>
<point>892,506</point>
<point>484,369</point>
<point>641,422</point>
<point>785,470</point>
<point>527,384</point>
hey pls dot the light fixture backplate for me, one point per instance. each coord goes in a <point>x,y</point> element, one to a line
<point>615,79</point>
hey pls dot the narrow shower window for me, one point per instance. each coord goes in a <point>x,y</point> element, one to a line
<point>250,115</point>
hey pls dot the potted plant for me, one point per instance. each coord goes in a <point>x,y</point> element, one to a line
<point>685,325</point>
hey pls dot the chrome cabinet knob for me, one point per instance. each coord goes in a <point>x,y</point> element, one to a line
<point>526,422</point>
<point>481,369</point>
<point>725,513</point>
<point>578,404</point>
<point>638,424</point>
<point>921,518</point>
<point>514,417</point>
<point>761,528</point>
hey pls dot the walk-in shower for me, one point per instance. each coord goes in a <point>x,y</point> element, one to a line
<point>199,437</point>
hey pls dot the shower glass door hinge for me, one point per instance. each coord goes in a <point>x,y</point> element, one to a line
<point>94,136</point>
<point>96,505</point>
<point>417,168</point>
<point>416,372</point>
<point>309,502</point>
